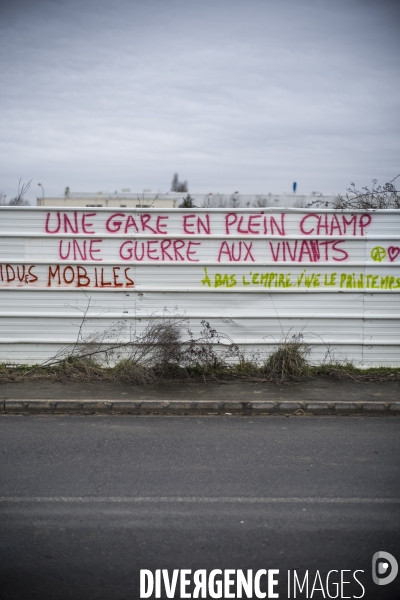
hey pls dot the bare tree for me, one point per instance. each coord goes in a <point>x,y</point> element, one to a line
<point>146,202</point>
<point>19,198</point>
<point>299,204</point>
<point>379,196</point>
<point>234,200</point>
<point>215,201</point>
<point>178,186</point>
<point>262,202</point>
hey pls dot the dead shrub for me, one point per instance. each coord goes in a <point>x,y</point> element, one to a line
<point>289,360</point>
<point>165,347</point>
<point>119,353</point>
<point>384,196</point>
<point>150,356</point>
<point>210,352</point>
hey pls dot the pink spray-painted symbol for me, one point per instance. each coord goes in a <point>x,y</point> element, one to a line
<point>393,252</point>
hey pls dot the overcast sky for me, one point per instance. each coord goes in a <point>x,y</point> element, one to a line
<point>234,95</point>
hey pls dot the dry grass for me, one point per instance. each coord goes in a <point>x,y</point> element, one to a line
<point>166,349</point>
<point>290,360</point>
<point>337,370</point>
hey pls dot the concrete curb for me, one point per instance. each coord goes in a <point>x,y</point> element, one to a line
<point>175,407</point>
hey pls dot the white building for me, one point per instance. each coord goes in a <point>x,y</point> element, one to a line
<point>147,199</point>
<point>123,199</point>
<point>237,200</point>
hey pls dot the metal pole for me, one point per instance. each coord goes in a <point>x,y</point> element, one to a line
<point>40,185</point>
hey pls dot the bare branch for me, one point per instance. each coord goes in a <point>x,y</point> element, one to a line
<point>378,197</point>
<point>19,198</point>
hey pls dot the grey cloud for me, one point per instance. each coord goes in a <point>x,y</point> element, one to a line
<point>231,94</point>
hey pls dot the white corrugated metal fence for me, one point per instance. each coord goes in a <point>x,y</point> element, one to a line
<point>255,275</point>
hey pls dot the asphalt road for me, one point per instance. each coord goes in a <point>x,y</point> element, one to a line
<point>86,502</point>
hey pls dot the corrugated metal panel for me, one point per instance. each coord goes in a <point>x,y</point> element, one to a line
<point>256,276</point>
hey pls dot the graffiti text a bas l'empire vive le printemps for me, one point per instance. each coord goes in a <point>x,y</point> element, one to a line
<point>273,279</point>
